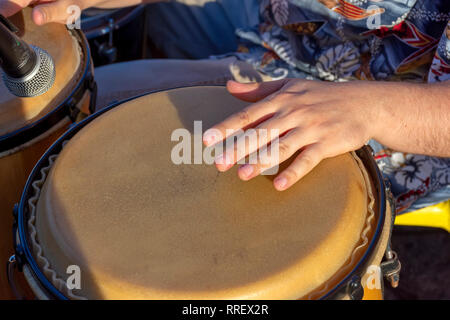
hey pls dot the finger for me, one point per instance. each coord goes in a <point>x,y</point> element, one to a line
<point>11,7</point>
<point>252,140</point>
<point>246,118</point>
<point>55,11</point>
<point>253,114</point>
<point>277,153</point>
<point>253,92</point>
<point>309,158</point>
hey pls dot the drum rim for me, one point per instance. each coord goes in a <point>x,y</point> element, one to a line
<point>23,249</point>
<point>33,130</point>
<point>380,190</point>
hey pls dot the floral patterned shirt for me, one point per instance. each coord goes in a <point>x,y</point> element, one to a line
<point>351,39</point>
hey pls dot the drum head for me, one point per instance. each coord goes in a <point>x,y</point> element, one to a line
<point>139,226</point>
<point>65,50</point>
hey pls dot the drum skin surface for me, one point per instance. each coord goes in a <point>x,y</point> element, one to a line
<point>141,227</point>
<point>16,112</point>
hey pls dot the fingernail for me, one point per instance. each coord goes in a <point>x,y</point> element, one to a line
<point>280,183</point>
<point>246,171</point>
<point>209,138</point>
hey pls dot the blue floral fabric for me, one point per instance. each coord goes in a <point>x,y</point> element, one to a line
<point>417,181</point>
<point>354,39</point>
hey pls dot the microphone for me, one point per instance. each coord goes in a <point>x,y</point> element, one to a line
<point>28,71</point>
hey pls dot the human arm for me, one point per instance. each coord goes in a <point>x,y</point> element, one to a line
<point>324,119</point>
<point>46,11</point>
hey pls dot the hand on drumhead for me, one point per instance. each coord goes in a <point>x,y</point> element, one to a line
<point>319,119</point>
<point>45,11</point>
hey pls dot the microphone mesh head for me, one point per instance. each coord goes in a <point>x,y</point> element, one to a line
<point>38,82</point>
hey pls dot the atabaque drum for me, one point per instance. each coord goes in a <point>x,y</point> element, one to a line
<point>108,214</point>
<point>29,125</point>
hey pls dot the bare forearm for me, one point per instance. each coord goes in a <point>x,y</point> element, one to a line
<point>415,118</point>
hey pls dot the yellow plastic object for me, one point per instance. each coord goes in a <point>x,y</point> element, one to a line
<point>373,294</point>
<point>437,216</point>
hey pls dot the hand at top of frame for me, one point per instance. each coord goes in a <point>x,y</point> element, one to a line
<point>323,120</point>
<point>45,11</point>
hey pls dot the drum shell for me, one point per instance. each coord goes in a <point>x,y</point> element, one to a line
<point>21,149</point>
<point>15,167</point>
<point>375,250</point>
<point>14,170</point>
<point>377,257</point>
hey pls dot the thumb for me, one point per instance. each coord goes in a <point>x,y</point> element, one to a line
<point>253,92</point>
<point>55,12</point>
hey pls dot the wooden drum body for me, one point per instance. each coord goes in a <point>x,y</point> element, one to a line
<point>28,126</point>
<point>107,199</point>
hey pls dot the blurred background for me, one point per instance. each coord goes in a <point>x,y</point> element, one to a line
<point>425,257</point>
